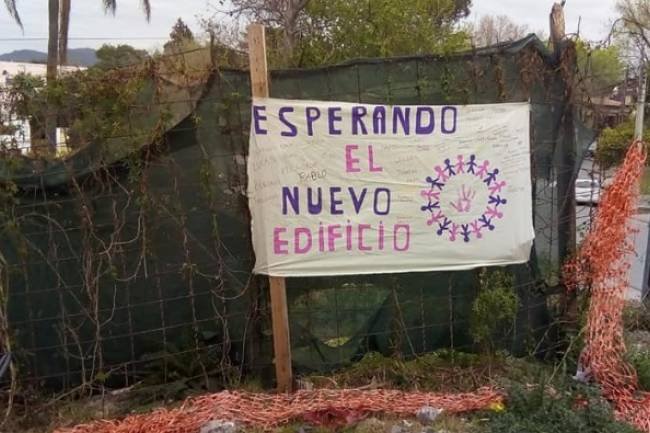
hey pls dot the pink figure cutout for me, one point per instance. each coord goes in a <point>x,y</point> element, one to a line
<point>464,202</point>
<point>483,168</point>
<point>435,218</point>
<point>453,232</point>
<point>493,212</point>
<point>496,187</point>
<point>476,229</point>
<point>442,176</point>
<point>430,194</point>
<point>460,165</point>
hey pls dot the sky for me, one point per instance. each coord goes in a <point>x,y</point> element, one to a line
<point>90,27</point>
<point>595,15</point>
<point>88,20</point>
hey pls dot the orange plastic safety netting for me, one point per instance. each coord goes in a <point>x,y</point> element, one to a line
<point>601,264</point>
<point>267,410</point>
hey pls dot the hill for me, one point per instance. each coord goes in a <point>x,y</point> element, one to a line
<point>76,56</point>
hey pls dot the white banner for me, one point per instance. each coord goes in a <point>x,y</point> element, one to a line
<point>340,188</point>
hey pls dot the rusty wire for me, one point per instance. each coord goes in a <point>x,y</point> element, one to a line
<point>601,264</point>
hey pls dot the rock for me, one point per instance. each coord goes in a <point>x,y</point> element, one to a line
<point>219,426</point>
<point>427,414</point>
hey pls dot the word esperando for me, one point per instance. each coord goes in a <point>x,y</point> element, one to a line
<point>360,120</point>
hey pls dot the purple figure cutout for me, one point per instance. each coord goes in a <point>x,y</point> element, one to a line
<point>431,206</point>
<point>465,232</point>
<point>491,176</point>
<point>496,201</point>
<point>443,226</point>
<point>471,164</point>
<point>435,183</point>
<point>449,168</point>
<point>487,222</point>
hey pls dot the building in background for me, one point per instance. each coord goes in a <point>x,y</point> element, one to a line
<point>15,133</point>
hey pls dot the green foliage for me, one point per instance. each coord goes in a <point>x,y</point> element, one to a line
<point>636,316</point>
<point>117,56</point>
<point>640,360</point>
<point>600,68</point>
<point>545,409</point>
<point>494,309</point>
<point>339,30</point>
<point>95,104</point>
<point>614,142</point>
<point>441,371</point>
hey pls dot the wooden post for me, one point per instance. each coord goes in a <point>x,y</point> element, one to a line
<point>279,310</point>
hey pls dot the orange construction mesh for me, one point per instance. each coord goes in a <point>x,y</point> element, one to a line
<point>601,263</point>
<point>267,410</point>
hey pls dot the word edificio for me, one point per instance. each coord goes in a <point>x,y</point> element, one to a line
<point>341,237</point>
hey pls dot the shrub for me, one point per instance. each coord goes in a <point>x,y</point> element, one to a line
<point>613,143</point>
<point>494,309</point>
<point>545,409</point>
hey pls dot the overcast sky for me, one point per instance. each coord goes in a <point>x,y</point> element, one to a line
<point>89,21</point>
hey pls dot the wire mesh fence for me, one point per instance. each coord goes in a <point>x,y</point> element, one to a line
<point>129,260</point>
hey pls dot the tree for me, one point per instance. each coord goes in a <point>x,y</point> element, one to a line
<point>495,29</point>
<point>181,37</point>
<point>52,64</point>
<point>601,68</point>
<point>283,15</point>
<point>634,21</point>
<point>342,29</point>
<point>305,33</point>
<point>64,27</point>
<point>181,32</point>
<point>117,56</point>
<point>57,47</point>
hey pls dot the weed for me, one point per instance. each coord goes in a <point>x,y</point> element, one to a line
<point>640,360</point>
<point>494,309</point>
<point>546,409</point>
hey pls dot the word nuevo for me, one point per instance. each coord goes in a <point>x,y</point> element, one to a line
<point>357,120</point>
<point>337,201</point>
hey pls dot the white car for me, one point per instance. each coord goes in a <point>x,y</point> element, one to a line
<point>588,191</point>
